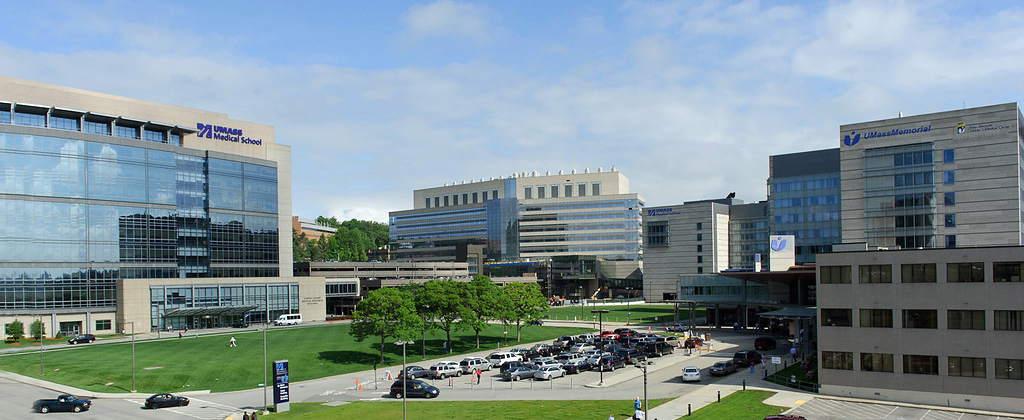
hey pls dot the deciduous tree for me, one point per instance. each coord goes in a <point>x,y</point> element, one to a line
<point>386,312</point>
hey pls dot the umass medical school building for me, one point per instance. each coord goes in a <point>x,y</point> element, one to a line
<point>120,214</point>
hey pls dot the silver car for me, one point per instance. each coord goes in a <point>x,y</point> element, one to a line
<point>549,372</point>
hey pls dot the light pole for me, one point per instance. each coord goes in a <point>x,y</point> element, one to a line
<point>405,379</point>
<point>582,306</point>
<point>643,366</point>
<point>133,353</point>
<point>40,345</point>
<point>629,291</point>
<point>599,313</point>
<point>264,364</point>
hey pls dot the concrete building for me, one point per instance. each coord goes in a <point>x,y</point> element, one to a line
<point>948,179</point>
<point>685,239</point>
<point>119,212</point>
<point>930,326</point>
<point>311,228</point>
<point>526,216</point>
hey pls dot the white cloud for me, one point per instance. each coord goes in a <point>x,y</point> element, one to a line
<point>447,17</point>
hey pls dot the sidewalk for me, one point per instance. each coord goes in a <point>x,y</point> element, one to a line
<point>708,394</point>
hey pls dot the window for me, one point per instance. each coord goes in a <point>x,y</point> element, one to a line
<point>554,191</point>
<point>948,178</point>
<point>426,202</point>
<point>446,201</point>
<point>1008,320</point>
<point>657,234</point>
<point>920,318</point>
<point>476,197</point>
<point>29,119</point>
<point>527,193</point>
<point>700,248</point>
<point>595,188</point>
<point>1006,272</point>
<point>950,219</point>
<point>96,127</point>
<point>965,320</point>
<point>841,360</point>
<point>494,193</point>
<point>700,259</point>
<point>154,136</point>
<point>875,362</point>
<point>484,195</point>
<point>970,272</point>
<point>912,179</point>
<point>918,273</point>
<point>700,226</point>
<point>175,139</point>
<point>103,324</point>
<point>700,270</point>
<point>437,201</point>
<point>465,198</point>
<point>921,365</point>
<point>700,237</point>
<point>567,190</point>
<point>950,241</point>
<point>541,191</point>
<point>126,132</point>
<point>948,156</point>
<point>455,199</point>
<point>875,273</point>
<point>1010,369</point>
<point>64,123</point>
<point>949,198</point>
<point>836,274</point>
<point>837,317</point>
<point>581,189</point>
<point>973,367</point>
<point>876,318</point>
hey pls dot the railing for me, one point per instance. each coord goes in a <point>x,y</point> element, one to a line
<point>788,382</point>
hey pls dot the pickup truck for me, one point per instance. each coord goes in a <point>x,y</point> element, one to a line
<point>63,402</point>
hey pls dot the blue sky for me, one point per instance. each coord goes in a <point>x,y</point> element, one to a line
<point>686,98</point>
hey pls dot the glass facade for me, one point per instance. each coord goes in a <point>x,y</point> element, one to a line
<point>900,197</point>
<point>269,300</point>
<point>77,215</point>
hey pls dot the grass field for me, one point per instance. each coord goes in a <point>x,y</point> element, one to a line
<point>174,365</point>
<point>642,313</point>
<point>739,405</point>
<point>477,410</point>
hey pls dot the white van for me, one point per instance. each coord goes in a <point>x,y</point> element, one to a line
<point>289,319</point>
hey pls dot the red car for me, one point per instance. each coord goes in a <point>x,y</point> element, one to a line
<point>693,342</point>
<point>764,343</point>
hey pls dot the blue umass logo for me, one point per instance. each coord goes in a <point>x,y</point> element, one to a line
<point>778,244</point>
<point>850,141</point>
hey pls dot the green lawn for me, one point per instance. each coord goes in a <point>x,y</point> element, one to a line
<point>171,365</point>
<point>477,410</point>
<point>641,313</point>
<point>738,405</point>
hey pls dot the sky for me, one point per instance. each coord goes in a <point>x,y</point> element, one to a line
<point>687,99</point>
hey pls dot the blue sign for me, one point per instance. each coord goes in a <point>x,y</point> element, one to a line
<point>778,244</point>
<point>281,381</point>
<point>225,133</point>
<point>854,137</point>
<point>661,212</point>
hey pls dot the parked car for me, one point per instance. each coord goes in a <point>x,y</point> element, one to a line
<point>656,349</point>
<point>82,338</point>
<point>764,343</point>
<point>631,356</point>
<point>549,372</point>
<point>63,402</point>
<point>241,323</point>
<point>444,370</point>
<point>535,322</point>
<point>629,332</point>
<point>610,362</point>
<point>678,328</point>
<point>521,351</point>
<point>414,372</point>
<point>578,366</point>
<point>568,357</point>
<point>564,341</point>
<point>471,364</point>
<point>691,374</point>
<point>414,388</point>
<point>581,348</point>
<point>518,373</point>
<point>497,359</point>
<point>609,335</point>
<point>744,358</point>
<point>507,366</point>
<point>539,363</point>
<point>165,400</point>
<point>669,339</point>
<point>693,342</point>
<point>722,368</point>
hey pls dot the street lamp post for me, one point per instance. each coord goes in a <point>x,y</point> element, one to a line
<point>264,364</point>
<point>40,345</point>
<point>133,354</point>
<point>643,366</point>
<point>405,379</point>
<point>629,293</point>
<point>582,306</point>
<point>599,313</point>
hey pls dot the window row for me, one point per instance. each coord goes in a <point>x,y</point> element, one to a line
<point>956,319</point>
<point>87,123</point>
<point>458,199</point>
<point>963,272</point>
<point>973,367</point>
<point>552,191</point>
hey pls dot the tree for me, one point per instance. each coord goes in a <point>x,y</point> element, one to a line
<point>37,329</point>
<point>480,305</point>
<point>385,312</point>
<point>425,312</point>
<point>15,330</point>
<point>521,303</point>
<point>447,301</point>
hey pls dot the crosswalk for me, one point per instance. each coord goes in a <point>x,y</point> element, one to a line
<point>197,409</point>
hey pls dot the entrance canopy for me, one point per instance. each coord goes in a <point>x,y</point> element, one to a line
<point>211,311</point>
<point>792,312</point>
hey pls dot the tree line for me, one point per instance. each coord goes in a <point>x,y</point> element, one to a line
<point>350,243</point>
<point>405,312</point>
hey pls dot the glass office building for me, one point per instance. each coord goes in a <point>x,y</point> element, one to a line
<point>804,197</point>
<point>95,191</point>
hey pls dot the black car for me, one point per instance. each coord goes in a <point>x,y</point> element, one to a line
<point>656,349</point>
<point>722,368</point>
<point>241,323</point>
<point>611,362</point>
<point>165,400</point>
<point>746,358</point>
<point>64,402</point>
<point>507,366</point>
<point>82,338</point>
<point>631,356</point>
<point>577,366</point>
<point>764,343</point>
<point>415,372</point>
<point>414,388</point>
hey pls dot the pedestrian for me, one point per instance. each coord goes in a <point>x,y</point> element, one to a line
<point>611,417</point>
<point>638,414</point>
<point>179,333</point>
<point>637,404</point>
<point>444,347</point>
<point>245,416</point>
<point>752,366</point>
<point>792,352</point>
<point>231,343</point>
<point>478,376</point>
<point>253,416</point>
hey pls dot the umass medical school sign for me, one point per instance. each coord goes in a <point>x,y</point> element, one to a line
<point>218,132</point>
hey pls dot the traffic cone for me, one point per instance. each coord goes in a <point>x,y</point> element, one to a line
<point>360,386</point>
<point>389,375</point>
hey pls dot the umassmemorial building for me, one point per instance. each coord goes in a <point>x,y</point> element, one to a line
<point>118,213</point>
